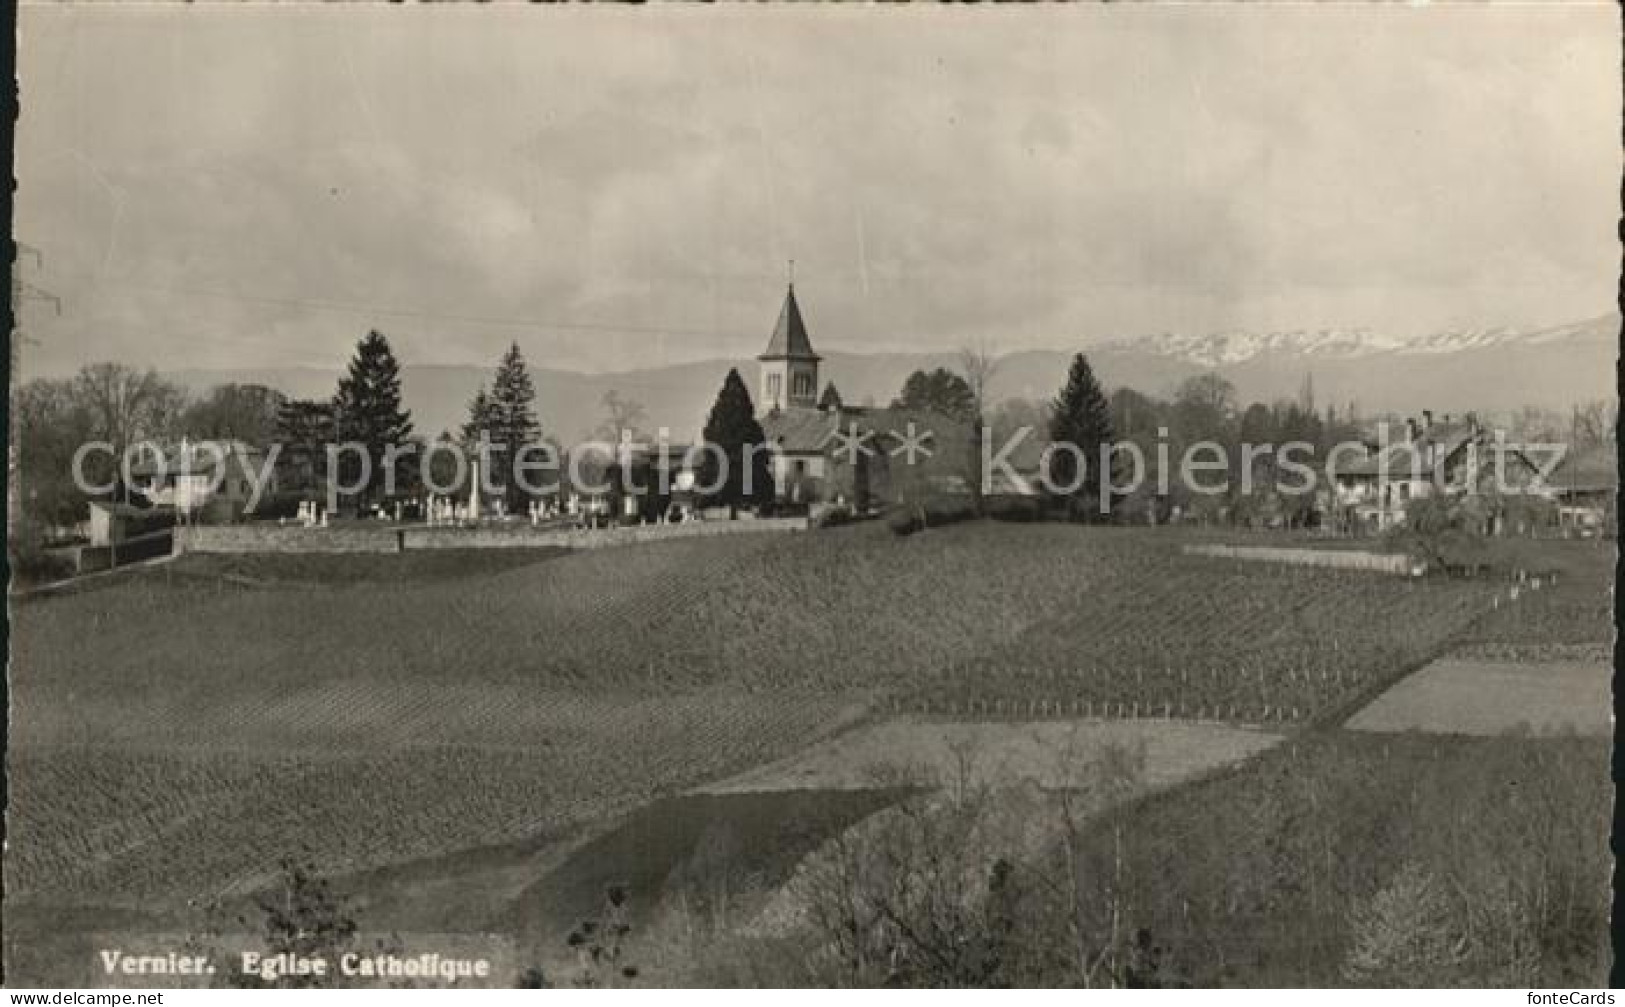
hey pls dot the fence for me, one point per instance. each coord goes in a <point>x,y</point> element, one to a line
<point>94,558</point>
<point>1334,559</point>
<point>1249,714</point>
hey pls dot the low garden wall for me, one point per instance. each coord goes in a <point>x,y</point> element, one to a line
<point>359,538</point>
<point>523,536</point>
<point>267,537</point>
<point>1336,559</point>
<point>96,558</point>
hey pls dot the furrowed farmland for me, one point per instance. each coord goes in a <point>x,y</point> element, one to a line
<point>1537,662</point>
<point>178,730</point>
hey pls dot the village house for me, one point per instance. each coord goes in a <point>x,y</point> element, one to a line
<point>1454,459</point>
<point>1585,486</point>
<point>113,523</point>
<point>207,482</point>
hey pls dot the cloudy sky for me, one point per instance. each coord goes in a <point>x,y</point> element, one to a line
<point>622,187</point>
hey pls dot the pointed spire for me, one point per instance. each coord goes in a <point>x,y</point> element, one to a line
<point>831,399</point>
<point>789,340</point>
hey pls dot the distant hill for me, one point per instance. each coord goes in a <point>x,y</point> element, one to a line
<point>1490,370</point>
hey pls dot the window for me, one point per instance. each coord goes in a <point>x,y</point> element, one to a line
<point>773,386</point>
<point>803,384</point>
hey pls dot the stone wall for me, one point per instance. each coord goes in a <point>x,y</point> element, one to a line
<point>265,537</point>
<point>523,536</point>
<point>1336,559</point>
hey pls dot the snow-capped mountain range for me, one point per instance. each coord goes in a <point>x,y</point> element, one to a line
<point>1224,349</point>
<point>1487,369</point>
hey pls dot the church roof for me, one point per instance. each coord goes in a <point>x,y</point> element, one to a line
<point>789,341</point>
<point>799,430</point>
<point>805,430</point>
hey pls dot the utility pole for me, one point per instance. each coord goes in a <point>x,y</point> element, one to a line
<point>21,292</point>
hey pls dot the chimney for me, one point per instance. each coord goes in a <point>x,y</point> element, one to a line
<point>1410,429</point>
<point>1427,420</point>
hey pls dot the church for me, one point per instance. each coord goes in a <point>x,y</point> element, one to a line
<point>827,452</point>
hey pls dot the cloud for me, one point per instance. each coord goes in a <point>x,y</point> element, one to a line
<point>241,186</point>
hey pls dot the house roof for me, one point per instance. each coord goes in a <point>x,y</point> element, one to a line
<point>789,340</point>
<point>1588,470</point>
<point>1403,457</point>
<point>123,510</point>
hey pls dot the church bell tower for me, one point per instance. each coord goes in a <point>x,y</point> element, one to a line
<point>789,365</point>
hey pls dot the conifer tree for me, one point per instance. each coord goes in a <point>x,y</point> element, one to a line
<point>480,419</point>
<point>367,411</point>
<point>513,399</point>
<point>511,419</point>
<point>733,429</point>
<point>1082,418</point>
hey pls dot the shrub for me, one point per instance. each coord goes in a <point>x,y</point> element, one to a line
<point>274,506</point>
<point>903,522</point>
<point>1402,933</point>
<point>31,562</point>
<point>933,512</point>
<point>833,517</point>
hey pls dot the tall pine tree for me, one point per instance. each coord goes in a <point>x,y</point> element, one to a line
<point>367,411</point>
<point>513,425</point>
<point>480,420</point>
<point>1081,417</point>
<point>732,428</point>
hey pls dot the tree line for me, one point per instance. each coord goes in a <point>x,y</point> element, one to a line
<point>1082,419</point>
<point>121,406</point>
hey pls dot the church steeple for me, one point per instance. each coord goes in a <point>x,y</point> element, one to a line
<point>789,365</point>
<point>789,340</point>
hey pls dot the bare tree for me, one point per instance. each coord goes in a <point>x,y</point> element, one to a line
<point>979,364</point>
<point>622,415</point>
<point>128,404</point>
<point>1112,776</point>
<point>1593,423</point>
<point>974,885</point>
